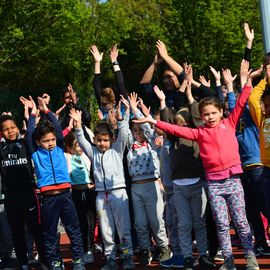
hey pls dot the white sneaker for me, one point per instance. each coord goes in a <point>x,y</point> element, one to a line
<point>88,257</point>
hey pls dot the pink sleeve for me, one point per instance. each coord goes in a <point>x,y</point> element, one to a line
<point>177,131</point>
<point>240,106</point>
<point>66,131</point>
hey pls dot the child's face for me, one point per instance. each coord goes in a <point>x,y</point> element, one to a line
<point>211,115</point>
<point>9,130</point>
<point>48,141</point>
<point>103,142</point>
<point>137,133</point>
<point>106,105</point>
<point>77,149</point>
<point>266,106</point>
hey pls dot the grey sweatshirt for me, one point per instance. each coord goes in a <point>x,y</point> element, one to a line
<point>108,166</point>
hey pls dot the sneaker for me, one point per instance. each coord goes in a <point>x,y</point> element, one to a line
<point>228,264</point>
<point>128,263</point>
<point>174,262</point>
<point>145,257</point>
<point>205,262</point>
<point>110,264</point>
<point>78,264</point>
<point>219,257</point>
<point>252,263</point>
<point>56,265</point>
<point>188,263</point>
<point>262,250</point>
<point>88,257</point>
<point>9,263</point>
<point>165,254</point>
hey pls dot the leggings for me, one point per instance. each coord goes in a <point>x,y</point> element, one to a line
<point>227,195</point>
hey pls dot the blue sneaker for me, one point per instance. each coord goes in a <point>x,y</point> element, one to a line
<point>174,261</point>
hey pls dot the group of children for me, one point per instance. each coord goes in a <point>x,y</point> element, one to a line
<point>192,158</point>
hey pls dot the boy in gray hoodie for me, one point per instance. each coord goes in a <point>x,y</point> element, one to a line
<point>112,201</point>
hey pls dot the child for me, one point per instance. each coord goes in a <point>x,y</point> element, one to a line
<point>222,166</point>
<point>112,201</point>
<point>148,206</point>
<point>21,203</point>
<point>260,113</point>
<point>108,98</point>
<point>54,184</point>
<point>189,185</point>
<point>83,193</point>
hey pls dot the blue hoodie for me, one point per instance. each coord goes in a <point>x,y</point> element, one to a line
<point>247,135</point>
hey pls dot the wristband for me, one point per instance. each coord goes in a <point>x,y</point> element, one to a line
<point>115,63</point>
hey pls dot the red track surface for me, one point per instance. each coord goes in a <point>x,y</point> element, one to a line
<point>264,261</point>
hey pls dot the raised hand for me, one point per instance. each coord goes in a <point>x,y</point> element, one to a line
<point>112,115</point>
<point>96,54</point>
<point>159,93</point>
<point>248,33</point>
<point>162,50</point>
<point>114,53</point>
<point>157,59</point>
<point>147,119</point>
<point>33,106</point>
<point>215,73</point>
<point>133,101</point>
<point>42,105</point>
<point>125,102</point>
<point>26,102</point>
<point>100,114</point>
<point>145,110</point>
<point>204,82</point>
<point>72,93</point>
<point>227,75</point>
<point>256,73</point>
<point>76,115</point>
<point>57,113</point>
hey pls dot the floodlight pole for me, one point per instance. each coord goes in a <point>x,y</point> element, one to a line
<point>265,19</point>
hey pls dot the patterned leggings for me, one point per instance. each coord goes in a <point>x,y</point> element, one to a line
<point>228,194</point>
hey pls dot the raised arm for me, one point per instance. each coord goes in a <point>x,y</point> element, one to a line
<point>30,141</point>
<point>176,67</point>
<point>97,56</point>
<point>148,75</point>
<point>249,37</point>
<point>255,99</point>
<point>51,117</point>
<point>118,74</point>
<point>86,146</point>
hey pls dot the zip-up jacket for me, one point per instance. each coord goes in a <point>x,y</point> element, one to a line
<point>108,166</point>
<point>51,167</point>
<point>218,145</point>
<point>261,122</point>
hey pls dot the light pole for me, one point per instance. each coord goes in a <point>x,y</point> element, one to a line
<point>265,19</point>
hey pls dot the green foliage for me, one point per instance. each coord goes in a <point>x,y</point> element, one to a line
<point>45,44</point>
